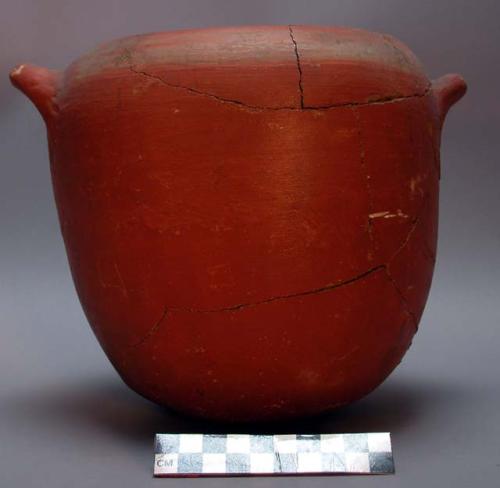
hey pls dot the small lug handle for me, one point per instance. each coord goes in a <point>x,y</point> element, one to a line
<point>448,90</point>
<point>39,85</point>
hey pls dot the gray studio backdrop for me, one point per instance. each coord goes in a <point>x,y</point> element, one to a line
<point>65,417</point>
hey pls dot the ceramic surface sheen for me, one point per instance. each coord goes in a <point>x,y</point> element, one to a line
<point>249,213</point>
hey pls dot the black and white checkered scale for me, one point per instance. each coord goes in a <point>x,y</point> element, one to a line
<point>243,454</point>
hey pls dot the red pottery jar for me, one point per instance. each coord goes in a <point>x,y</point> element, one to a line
<point>249,213</point>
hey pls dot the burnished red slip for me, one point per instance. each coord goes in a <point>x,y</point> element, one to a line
<point>249,213</point>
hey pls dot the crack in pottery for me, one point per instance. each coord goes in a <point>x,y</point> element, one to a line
<point>259,108</point>
<point>299,67</point>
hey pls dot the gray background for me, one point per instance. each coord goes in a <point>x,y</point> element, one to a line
<point>65,417</point>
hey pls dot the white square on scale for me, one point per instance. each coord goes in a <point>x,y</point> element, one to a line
<point>285,444</point>
<point>262,462</point>
<point>238,444</point>
<point>309,462</point>
<point>190,443</point>
<point>214,463</point>
<point>357,462</point>
<point>379,442</point>
<point>332,443</point>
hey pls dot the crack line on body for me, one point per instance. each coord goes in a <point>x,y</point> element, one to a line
<point>314,291</point>
<point>241,306</point>
<point>395,284</point>
<point>428,254</point>
<point>260,108</point>
<point>153,329</point>
<point>369,190</point>
<point>376,101</point>
<point>403,299</point>
<point>203,93</point>
<point>299,67</point>
<point>435,140</point>
<point>413,227</point>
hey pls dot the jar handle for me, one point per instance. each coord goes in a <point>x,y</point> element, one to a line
<point>40,86</point>
<point>448,90</point>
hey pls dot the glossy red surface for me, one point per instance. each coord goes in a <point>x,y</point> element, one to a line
<point>250,214</point>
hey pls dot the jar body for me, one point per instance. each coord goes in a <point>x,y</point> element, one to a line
<point>246,258</point>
